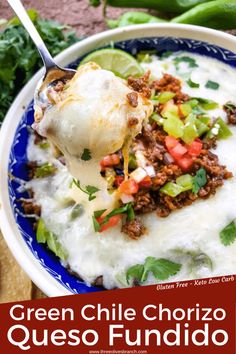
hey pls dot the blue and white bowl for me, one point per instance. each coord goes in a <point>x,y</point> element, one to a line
<point>41,265</point>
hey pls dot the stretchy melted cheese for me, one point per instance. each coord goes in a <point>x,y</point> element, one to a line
<point>92,113</point>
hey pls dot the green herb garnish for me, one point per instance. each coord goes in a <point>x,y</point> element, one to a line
<point>86,155</point>
<point>47,169</point>
<point>228,234</point>
<point>90,190</point>
<point>192,84</point>
<point>43,235</point>
<point>161,268</point>
<point>190,61</point>
<point>212,85</point>
<point>126,209</point>
<point>199,180</point>
<point>166,54</point>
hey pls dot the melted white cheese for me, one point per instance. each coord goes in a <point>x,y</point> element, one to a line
<point>92,113</point>
<point>194,228</point>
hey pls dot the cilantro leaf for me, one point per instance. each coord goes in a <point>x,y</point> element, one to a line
<point>43,235</point>
<point>161,268</point>
<point>212,85</point>
<point>135,272</point>
<point>192,84</point>
<point>90,190</point>
<point>86,155</point>
<point>47,169</point>
<point>228,234</point>
<point>96,224</point>
<point>126,209</point>
<point>199,180</point>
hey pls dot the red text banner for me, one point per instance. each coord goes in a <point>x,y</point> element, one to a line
<point>187,317</point>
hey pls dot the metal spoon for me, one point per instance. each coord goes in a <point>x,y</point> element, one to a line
<point>53,72</point>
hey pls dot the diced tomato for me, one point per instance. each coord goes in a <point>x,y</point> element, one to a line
<point>178,151</point>
<point>195,148</point>
<point>129,187</point>
<point>118,180</point>
<point>185,162</point>
<point>171,142</point>
<point>110,160</point>
<point>146,182</point>
<point>113,221</point>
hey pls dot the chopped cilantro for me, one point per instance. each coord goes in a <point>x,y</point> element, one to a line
<point>161,268</point>
<point>199,180</point>
<point>90,190</point>
<point>212,85</point>
<point>126,209</point>
<point>86,155</point>
<point>228,234</point>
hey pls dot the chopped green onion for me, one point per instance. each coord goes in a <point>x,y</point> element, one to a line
<point>192,84</point>
<point>212,85</point>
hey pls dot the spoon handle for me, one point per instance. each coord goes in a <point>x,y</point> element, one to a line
<point>32,31</point>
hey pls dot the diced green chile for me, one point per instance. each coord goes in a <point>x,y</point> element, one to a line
<point>165,96</point>
<point>220,130</point>
<point>172,189</point>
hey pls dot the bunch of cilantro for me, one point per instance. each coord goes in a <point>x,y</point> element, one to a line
<point>19,58</point>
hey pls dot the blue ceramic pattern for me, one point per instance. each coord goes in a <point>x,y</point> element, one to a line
<point>18,158</point>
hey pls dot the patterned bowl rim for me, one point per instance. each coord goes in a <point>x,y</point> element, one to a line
<point>39,275</point>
